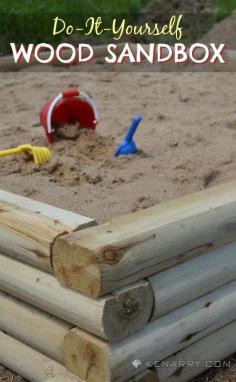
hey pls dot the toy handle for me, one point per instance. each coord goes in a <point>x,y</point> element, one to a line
<point>71,93</point>
<point>3,153</point>
<point>76,93</point>
<point>65,94</point>
<point>135,122</point>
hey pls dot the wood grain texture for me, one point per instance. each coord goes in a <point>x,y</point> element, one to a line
<point>111,317</point>
<point>145,376</point>
<point>184,283</point>
<point>30,364</point>
<point>7,62</point>
<point>96,360</point>
<point>197,358</point>
<point>41,331</point>
<point>33,327</point>
<point>104,258</point>
<point>28,228</point>
<point>36,367</point>
<point>72,220</point>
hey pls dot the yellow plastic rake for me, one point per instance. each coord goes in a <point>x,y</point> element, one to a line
<point>40,154</point>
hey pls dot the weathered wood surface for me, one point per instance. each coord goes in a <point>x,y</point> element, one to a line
<point>229,55</point>
<point>101,259</point>
<point>199,357</point>
<point>36,367</point>
<point>72,220</point>
<point>30,364</point>
<point>7,62</point>
<point>145,376</point>
<point>33,327</point>
<point>112,317</point>
<point>96,360</point>
<point>41,331</point>
<point>28,228</point>
<point>184,283</point>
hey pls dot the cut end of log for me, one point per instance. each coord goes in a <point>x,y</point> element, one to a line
<point>129,310</point>
<point>86,356</point>
<point>146,376</point>
<point>76,267</point>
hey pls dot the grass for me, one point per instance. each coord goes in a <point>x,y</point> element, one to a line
<point>224,7</point>
<point>30,21</point>
<point>71,6</point>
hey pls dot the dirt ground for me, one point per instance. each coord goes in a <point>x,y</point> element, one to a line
<point>223,32</point>
<point>186,139</point>
<point>186,142</point>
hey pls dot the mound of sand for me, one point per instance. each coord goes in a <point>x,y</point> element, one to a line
<point>223,32</point>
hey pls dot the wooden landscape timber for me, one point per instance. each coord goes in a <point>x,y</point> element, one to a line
<point>229,55</point>
<point>98,361</point>
<point>112,317</point>
<point>101,259</point>
<point>199,357</point>
<point>146,376</point>
<point>30,364</point>
<point>41,331</point>
<point>35,328</point>
<point>29,228</point>
<point>65,217</point>
<point>36,367</point>
<point>184,283</point>
<point>7,63</point>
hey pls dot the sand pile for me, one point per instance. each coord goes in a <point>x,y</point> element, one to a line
<point>223,32</point>
<point>72,159</point>
<point>186,139</point>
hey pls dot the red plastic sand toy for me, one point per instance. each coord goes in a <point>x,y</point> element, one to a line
<point>68,107</point>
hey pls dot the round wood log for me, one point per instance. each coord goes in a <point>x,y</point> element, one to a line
<point>28,233</point>
<point>41,331</point>
<point>101,259</point>
<point>96,360</point>
<point>199,357</point>
<point>7,63</point>
<point>112,317</point>
<point>72,220</point>
<point>231,56</point>
<point>35,328</point>
<point>184,283</point>
<point>31,364</point>
<point>146,376</point>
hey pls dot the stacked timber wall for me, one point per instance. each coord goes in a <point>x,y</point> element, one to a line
<point>157,285</point>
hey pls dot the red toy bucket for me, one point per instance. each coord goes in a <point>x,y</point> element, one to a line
<point>67,108</point>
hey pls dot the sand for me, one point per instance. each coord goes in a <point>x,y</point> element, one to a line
<point>186,139</point>
<point>223,32</point>
<point>186,142</point>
